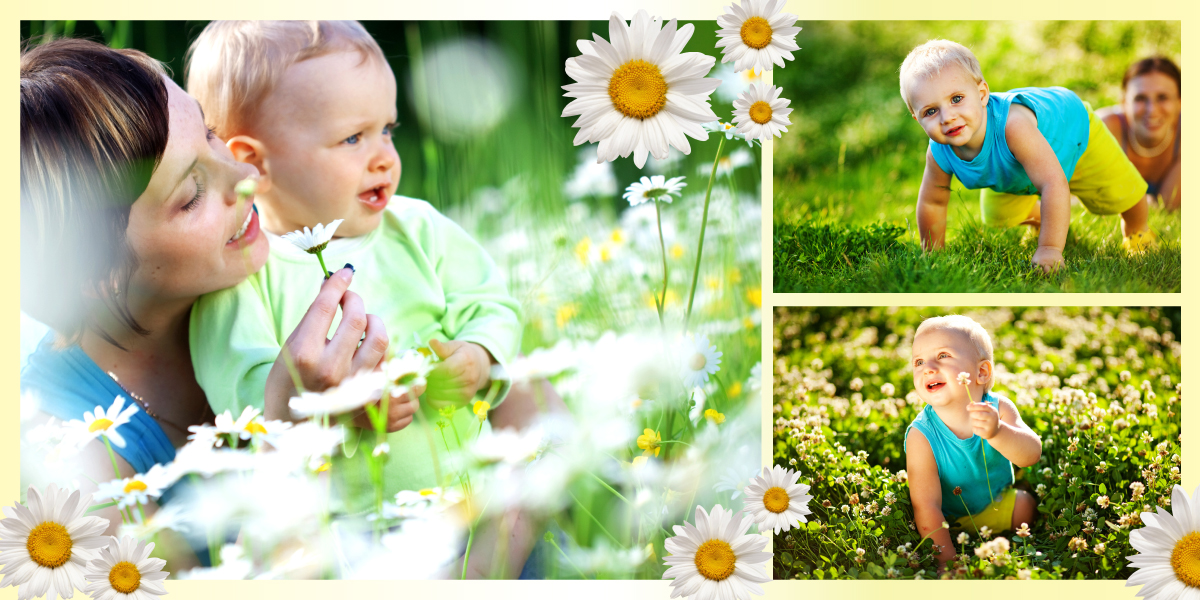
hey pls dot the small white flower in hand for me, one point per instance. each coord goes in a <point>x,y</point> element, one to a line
<point>964,378</point>
<point>314,240</point>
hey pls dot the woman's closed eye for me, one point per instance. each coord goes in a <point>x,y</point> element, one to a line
<point>195,201</point>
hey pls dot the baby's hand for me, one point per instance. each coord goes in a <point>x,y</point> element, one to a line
<point>464,369</point>
<point>400,411</point>
<point>985,419</point>
<point>1048,258</point>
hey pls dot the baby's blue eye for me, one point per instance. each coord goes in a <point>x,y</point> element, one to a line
<point>352,139</point>
<point>387,129</point>
<point>929,112</point>
<point>956,99</point>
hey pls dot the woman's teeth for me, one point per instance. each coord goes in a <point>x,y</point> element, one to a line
<point>242,231</point>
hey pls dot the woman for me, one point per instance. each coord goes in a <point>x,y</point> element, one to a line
<point>128,214</point>
<point>1147,124</point>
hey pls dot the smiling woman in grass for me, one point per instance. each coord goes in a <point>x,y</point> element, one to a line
<point>960,452</point>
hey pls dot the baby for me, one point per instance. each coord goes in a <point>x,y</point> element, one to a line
<point>312,105</point>
<point>962,446</point>
<point>1029,149</point>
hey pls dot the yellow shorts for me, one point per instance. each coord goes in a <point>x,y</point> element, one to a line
<point>997,516</point>
<point>1104,181</point>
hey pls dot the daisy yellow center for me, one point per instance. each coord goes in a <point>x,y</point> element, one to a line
<point>715,560</point>
<point>760,112</point>
<point>124,577</point>
<point>776,500</point>
<point>256,427</point>
<point>135,486</point>
<point>756,33</point>
<point>49,545</point>
<point>637,89</point>
<point>698,361</point>
<point>99,425</point>
<point>1185,559</point>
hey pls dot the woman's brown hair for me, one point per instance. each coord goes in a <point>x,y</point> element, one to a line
<point>94,125</point>
<point>1154,64</point>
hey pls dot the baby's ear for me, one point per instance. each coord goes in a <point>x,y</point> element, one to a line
<point>251,151</point>
<point>987,92</point>
<point>985,372</point>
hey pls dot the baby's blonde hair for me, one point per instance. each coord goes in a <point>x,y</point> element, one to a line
<point>234,65</point>
<point>966,326</point>
<point>930,58</point>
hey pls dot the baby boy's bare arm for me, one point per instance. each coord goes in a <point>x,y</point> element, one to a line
<point>1015,440</point>
<point>1031,149</point>
<point>925,490</point>
<point>932,199</point>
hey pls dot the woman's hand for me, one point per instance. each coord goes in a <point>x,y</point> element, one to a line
<point>310,360</point>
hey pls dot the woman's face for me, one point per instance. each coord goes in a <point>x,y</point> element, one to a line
<point>1152,105</point>
<point>185,227</point>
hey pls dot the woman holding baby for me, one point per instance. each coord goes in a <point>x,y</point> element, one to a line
<point>128,214</point>
<point>1147,123</point>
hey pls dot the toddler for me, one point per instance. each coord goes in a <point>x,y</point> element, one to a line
<point>1029,149</point>
<point>312,105</point>
<point>962,446</point>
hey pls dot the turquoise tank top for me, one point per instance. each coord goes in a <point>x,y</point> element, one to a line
<point>1061,116</point>
<point>960,463</point>
<point>68,383</point>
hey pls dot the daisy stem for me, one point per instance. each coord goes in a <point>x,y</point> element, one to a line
<point>554,543</point>
<point>142,511</point>
<point>467,556</point>
<point>112,456</point>
<point>324,271</point>
<point>703,225</point>
<point>609,488</point>
<point>662,301</point>
<point>597,521</point>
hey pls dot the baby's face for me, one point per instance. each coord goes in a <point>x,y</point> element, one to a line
<point>939,355</point>
<point>950,107</point>
<point>327,132</point>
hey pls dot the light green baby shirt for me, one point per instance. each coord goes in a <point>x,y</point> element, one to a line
<point>418,271</point>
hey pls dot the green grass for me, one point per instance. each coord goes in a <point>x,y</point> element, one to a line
<point>856,232</point>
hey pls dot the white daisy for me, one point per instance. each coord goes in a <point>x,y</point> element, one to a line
<point>138,489</point>
<point>407,371</point>
<point>248,425</point>
<point>714,559</point>
<point>314,240</point>
<point>352,394</point>
<point>1168,558</point>
<point>760,113</point>
<point>755,35</point>
<point>45,547</point>
<point>102,423</point>
<point>699,360</point>
<point>776,501</point>
<point>125,571</point>
<point>639,93</point>
<point>656,187</point>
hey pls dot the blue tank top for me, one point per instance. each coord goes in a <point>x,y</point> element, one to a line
<point>68,383</point>
<point>960,463</point>
<point>1061,117</point>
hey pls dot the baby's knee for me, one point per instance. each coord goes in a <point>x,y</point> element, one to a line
<point>1024,509</point>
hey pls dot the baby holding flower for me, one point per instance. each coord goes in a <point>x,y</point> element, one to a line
<point>960,451</point>
<point>312,106</point>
